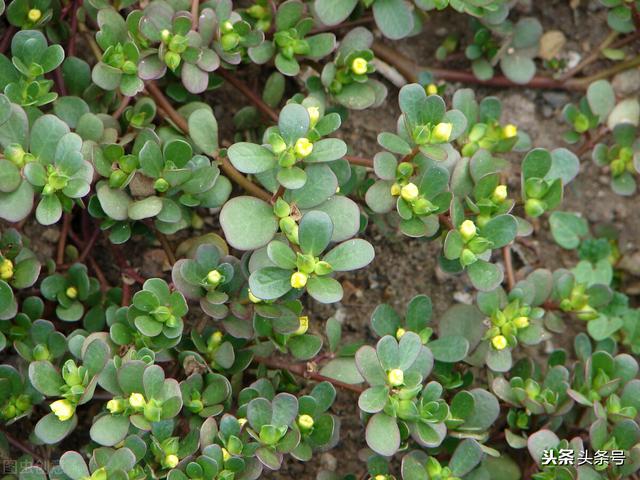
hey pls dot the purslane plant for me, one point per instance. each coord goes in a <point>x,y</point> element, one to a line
<point>220,363</point>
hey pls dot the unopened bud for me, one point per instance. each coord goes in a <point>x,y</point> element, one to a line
<point>34,15</point>
<point>298,280</point>
<point>395,377</point>
<point>409,192</point>
<point>442,132</point>
<point>468,230</point>
<point>359,66</point>
<point>509,131</point>
<point>303,147</point>
<point>499,342</point>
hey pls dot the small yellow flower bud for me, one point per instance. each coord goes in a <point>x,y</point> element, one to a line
<point>115,405</point>
<point>225,455</point>
<point>215,339</point>
<point>136,400</point>
<point>442,132</point>
<point>400,332</point>
<point>214,277</point>
<point>395,377</point>
<point>499,342</point>
<point>303,147</point>
<point>63,409</point>
<point>431,89</point>
<point>499,194</point>
<point>314,115</point>
<point>304,325</point>
<point>6,269</point>
<point>196,221</point>
<point>34,15</point>
<point>72,293</point>
<point>165,35</point>
<point>359,66</point>
<point>171,461</point>
<point>409,192</point>
<point>298,280</point>
<point>395,189</point>
<point>305,422</point>
<point>227,26</point>
<point>242,422</point>
<point>521,322</point>
<point>380,477</point>
<point>468,230</point>
<point>252,297</point>
<point>509,131</point>
<point>100,474</point>
<point>161,185</point>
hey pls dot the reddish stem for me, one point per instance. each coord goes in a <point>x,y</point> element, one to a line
<point>71,46</point>
<point>6,40</point>
<point>361,161</point>
<point>279,193</point>
<point>22,447</point>
<point>243,88</point>
<point>89,245</point>
<point>305,371</point>
<point>59,81</point>
<point>508,266</point>
<point>124,103</point>
<point>195,6</point>
<point>225,165</point>
<point>64,233</point>
<point>409,69</point>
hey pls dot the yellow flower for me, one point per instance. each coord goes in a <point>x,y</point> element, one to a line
<point>359,66</point>
<point>400,332</point>
<point>303,147</point>
<point>395,377</point>
<point>395,189</point>
<point>314,115</point>
<point>380,477</point>
<point>115,405</point>
<point>499,195</point>
<point>225,455</point>
<point>409,192</point>
<point>100,474</point>
<point>305,422</point>
<point>499,342</point>
<point>252,297</point>
<point>509,131</point>
<point>468,230</point>
<point>214,277</point>
<point>442,132</point>
<point>63,409</point>
<point>6,269</point>
<point>136,400</point>
<point>34,15</point>
<point>521,322</point>
<point>298,280</point>
<point>214,340</point>
<point>304,325</point>
<point>171,461</point>
<point>432,89</point>
<point>165,35</point>
<point>72,292</point>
